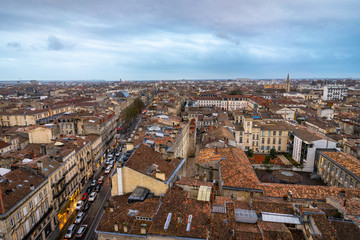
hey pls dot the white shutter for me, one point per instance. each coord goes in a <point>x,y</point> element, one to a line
<point>25,211</point>
<point>38,215</point>
<point>27,226</point>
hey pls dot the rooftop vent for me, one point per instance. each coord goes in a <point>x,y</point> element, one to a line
<point>168,219</point>
<point>188,225</point>
<point>132,212</point>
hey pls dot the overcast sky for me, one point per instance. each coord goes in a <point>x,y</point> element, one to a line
<point>173,39</point>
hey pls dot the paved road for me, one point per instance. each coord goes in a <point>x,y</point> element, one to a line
<point>92,215</point>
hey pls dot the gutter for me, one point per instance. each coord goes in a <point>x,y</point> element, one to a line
<point>175,171</point>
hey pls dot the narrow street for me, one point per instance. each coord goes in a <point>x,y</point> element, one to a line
<point>95,211</point>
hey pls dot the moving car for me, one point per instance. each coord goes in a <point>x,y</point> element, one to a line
<point>88,190</point>
<point>118,154</point>
<point>86,206</point>
<point>79,205</point>
<point>108,169</point>
<point>93,183</point>
<point>70,231</point>
<point>84,196</point>
<point>79,217</point>
<point>100,181</point>
<point>97,188</point>
<point>92,196</point>
<point>82,229</point>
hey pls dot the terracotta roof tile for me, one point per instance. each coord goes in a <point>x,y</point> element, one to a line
<point>181,206</point>
<point>145,157</point>
<point>16,186</point>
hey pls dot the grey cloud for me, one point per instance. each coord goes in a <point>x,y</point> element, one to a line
<point>227,37</point>
<point>54,43</point>
<point>14,44</point>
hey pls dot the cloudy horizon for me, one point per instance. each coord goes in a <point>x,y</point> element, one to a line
<point>139,40</point>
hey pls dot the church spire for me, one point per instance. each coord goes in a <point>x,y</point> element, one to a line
<point>288,83</point>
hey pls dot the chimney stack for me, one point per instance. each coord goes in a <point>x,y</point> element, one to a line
<point>32,187</point>
<point>40,165</point>
<point>43,149</point>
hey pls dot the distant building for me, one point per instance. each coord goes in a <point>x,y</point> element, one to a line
<point>274,86</point>
<point>334,92</point>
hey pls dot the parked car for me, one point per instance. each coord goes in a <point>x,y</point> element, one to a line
<point>84,196</point>
<point>79,205</point>
<point>89,190</point>
<point>86,206</point>
<point>110,156</point>
<point>118,154</point>
<point>93,183</point>
<point>108,169</point>
<point>92,196</point>
<point>82,230</point>
<point>70,231</point>
<point>79,217</point>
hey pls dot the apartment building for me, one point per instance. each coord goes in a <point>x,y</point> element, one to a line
<point>339,169</point>
<point>260,136</point>
<point>26,206</point>
<point>334,92</point>
<point>225,102</point>
<point>305,143</point>
<point>29,117</point>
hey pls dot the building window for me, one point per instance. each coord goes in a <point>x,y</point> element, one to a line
<point>268,140</point>
<point>269,132</point>
<point>12,222</point>
<point>32,219</point>
<point>263,140</point>
<point>40,196</point>
<point>274,133</point>
<point>241,140</point>
<point>279,140</point>
<point>25,211</point>
<point>36,200</point>
<point>18,216</point>
<point>280,133</point>
<point>274,140</point>
<point>30,205</point>
<point>279,148</point>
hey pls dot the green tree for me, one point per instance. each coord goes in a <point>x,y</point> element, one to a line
<point>133,110</point>
<point>273,153</point>
<point>236,92</point>
<point>267,159</point>
<point>250,153</point>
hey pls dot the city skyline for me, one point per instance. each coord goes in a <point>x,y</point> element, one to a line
<point>178,40</point>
